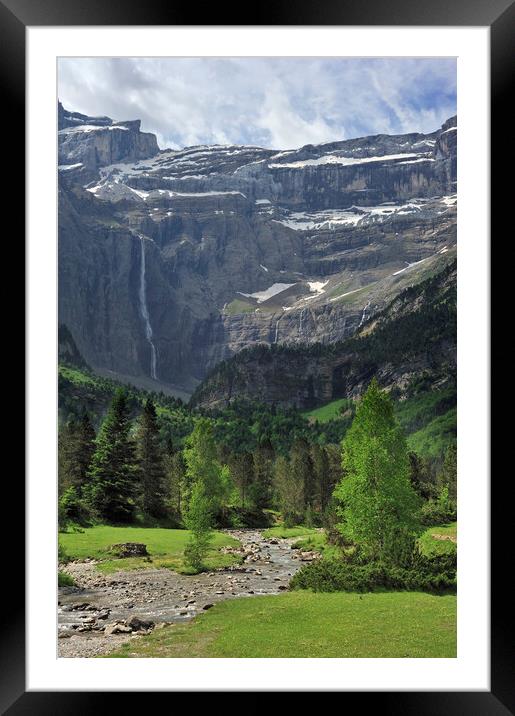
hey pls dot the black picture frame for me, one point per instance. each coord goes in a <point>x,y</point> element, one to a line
<point>499,16</point>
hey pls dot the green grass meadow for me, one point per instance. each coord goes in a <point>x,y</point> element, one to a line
<point>165,547</point>
<point>439,540</point>
<point>306,625</point>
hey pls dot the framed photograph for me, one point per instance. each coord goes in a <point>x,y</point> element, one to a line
<point>258,335</point>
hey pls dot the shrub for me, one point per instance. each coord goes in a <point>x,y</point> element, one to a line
<point>438,512</point>
<point>62,554</point>
<point>71,508</point>
<point>330,575</point>
<point>64,580</point>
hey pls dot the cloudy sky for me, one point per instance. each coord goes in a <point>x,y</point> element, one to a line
<point>269,102</point>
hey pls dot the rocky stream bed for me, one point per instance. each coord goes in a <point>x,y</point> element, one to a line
<point>105,610</point>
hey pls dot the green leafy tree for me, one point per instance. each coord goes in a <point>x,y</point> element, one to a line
<point>203,467</point>
<point>151,459</point>
<point>112,488</point>
<point>198,520</point>
<point>176,471</point>
<point>379,504</point>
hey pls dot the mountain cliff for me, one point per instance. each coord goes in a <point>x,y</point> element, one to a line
<point>171,261</point>
<point>412,342</point>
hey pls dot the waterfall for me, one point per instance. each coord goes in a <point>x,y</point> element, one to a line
<point>277,329</point>
<point>144,312</point>
<point>364,314</point>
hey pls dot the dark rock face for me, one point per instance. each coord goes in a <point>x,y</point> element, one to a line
<point>241,245</point>
<point>414,335</point>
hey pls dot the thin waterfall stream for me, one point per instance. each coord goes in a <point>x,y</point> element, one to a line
<point>144,311</point>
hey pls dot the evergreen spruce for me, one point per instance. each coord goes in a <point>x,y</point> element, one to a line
<point>301,466</point>
<point>112,488</point>
<point>290,492</point>
<point>76,447</point>
<point>151,460</point>
<point>260,491</point>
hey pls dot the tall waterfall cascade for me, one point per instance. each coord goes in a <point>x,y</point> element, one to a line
<point>144,312</point>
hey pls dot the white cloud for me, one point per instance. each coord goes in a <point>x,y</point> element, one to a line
<point>279,103</point>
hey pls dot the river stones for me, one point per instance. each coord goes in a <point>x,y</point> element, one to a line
<point>138,624</point>
<point>129,549</point>
<point>117,627</point>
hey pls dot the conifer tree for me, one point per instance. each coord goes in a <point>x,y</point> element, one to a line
<point>322,477</point>
<point>449,474</point>
<point>153,487</point>
<point>301,467</point>
<point>111,489</point>
<point>76,448</point>
<point>241,466</point>
<point>379,504</point>
<point>260,491</point>
<point>290,492</point>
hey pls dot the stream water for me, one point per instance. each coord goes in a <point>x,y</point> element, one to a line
<point>161,595</point>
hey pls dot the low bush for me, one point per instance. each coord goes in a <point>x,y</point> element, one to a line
<point>64,580</point>
<point>437,512</point>
<point>437,575</point>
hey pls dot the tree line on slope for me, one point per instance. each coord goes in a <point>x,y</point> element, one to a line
<point>128,471</point>
<point>131,470</point>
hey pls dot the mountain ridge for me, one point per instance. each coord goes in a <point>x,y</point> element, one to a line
<point>242,245</point>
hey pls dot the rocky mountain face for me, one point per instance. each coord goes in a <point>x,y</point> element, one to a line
<point>171,261</point>
<point>411,343</point>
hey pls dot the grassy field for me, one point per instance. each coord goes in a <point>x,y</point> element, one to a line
<point>285,532</point>
<point>165,547</point>
<point>303,624</point>
<point>428,419</point>
<point>433,439</point>
<point>330,411</point>
<point>238,306</point>
<point>439,540</point>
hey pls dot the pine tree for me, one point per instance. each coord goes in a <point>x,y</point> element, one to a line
<point>322,477</point>
<point>301,467</point>
<point>153,482</point>
<point>241,466</point>
<point>260,491</point>
<point>76,447</point>
<point>379,504</point>
<point>290,492</point>
<point>111,489</point>
<point>448,477</point>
